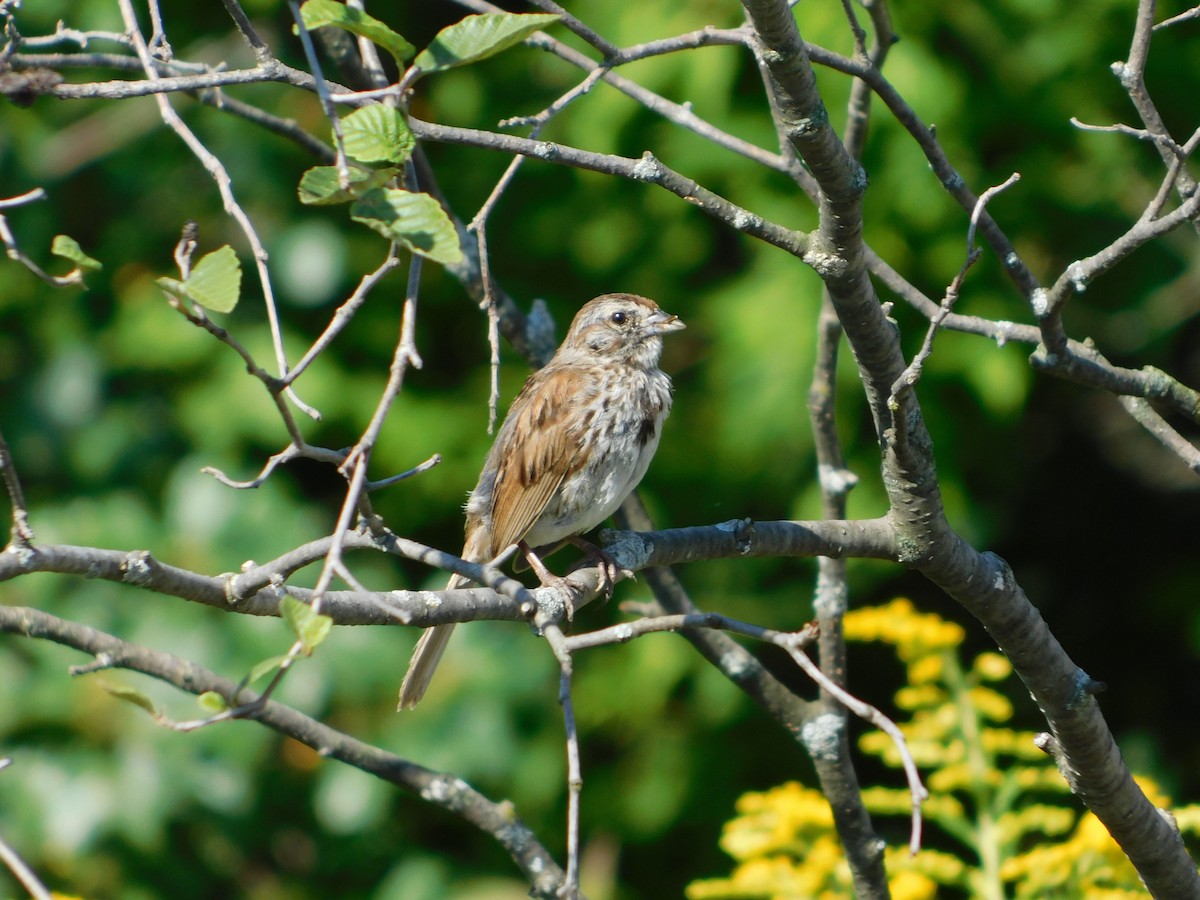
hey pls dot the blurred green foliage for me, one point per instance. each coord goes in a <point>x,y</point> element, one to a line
<point>112,403</point>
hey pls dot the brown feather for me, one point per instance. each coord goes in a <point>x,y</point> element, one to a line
<point>533,457</point>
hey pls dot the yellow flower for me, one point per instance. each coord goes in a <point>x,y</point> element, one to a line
<point>992,666</point>
<point>991,790</point>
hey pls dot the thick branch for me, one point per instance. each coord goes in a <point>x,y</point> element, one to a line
<point>979,581</point>
<point>258,590</point>
<point>647,169</point>
<point>1092,763</point>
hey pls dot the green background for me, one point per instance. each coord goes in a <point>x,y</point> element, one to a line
<point>112,403</point>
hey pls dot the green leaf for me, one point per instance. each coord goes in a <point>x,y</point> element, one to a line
<point>214,283</point>
<point>212,702</point>
<point>68,248</point>
<point>262,668</point>
<point>478,37</point>
<point>319,13</point>
<point>416,221</point>
<point>309,627</point>
<point>132,695</point>
<point>319,186</point>
<point>377,133</point>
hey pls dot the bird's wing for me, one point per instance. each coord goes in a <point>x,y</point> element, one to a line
<point>534,453</point>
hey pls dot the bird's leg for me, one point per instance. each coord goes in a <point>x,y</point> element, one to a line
<point>535,563</point>
<point>548,578</point>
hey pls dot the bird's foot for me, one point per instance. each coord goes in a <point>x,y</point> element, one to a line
<point>610,569</point>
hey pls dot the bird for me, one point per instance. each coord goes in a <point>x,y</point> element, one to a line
<point>575,443</point>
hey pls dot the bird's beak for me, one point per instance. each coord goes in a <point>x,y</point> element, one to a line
<point>664,323</point>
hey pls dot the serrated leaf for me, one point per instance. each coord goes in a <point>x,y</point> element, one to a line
<point>478,37</point>
<point>216,280</point>
<point>212,702</point>
<point>377,133</point>
<point>416,221</point>
<point>319,186</point>
<point>132,695</point>
<point>309,627</point>
<point>318,13</point>
<point>214,283</point>
<point>68,248</point>
<point>267,665</point>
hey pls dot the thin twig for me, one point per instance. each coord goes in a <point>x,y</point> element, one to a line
<point>24,875</point>
<point>579,28</point>
<point>344,313</point>
<point>912,373</point>
<point>558,643</point>
<point>21,534</point>
<point>434,460</point>
<point>677,113</point>
<point>794,643</point>
<point>860,36</point>
<point>870,714</point>
<point>257,44</point>
<point>1142,134</point>
<point>323,94</point>
<point>75,276</point>
<point>1192,13</point>
<point>224,184</point>
<point>1158,427</point>
<point>478,227</point>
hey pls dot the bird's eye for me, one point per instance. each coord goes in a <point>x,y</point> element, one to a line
<point>618,318</point>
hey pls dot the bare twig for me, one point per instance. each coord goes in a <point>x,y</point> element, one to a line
<point>1142,134</point>
<point>257,44</point>
<point>25,876</point>
<point>558,643</point>
<point>912,374</point>
<point>794,643</point>
<point>1132,75</point>
<point>1158,427</point>
<point>1192,13</point>
<point>21,534</point>
<point>478,227</point>
<point>344,313</point>
<point>224,185</point>
<point>258,590</point>
<point>434,460</point>
<point>323,94</point>
<point>677,113</point>
<point>869,713</point>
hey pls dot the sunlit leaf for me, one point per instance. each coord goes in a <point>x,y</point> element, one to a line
<point>415,220</point>
<point>309,627</point>
<point>377,133</point>
<point>319,186</point>
<point>132,695</point>
<point>214,283</point>
<point>265,667</point>
<point>318,13</point>
<point>478,37</point>
<point>212,702</point>
<point>68,248</point>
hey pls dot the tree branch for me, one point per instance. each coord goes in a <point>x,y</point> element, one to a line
<point>448,792</point>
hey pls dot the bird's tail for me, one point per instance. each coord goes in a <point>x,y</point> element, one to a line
<point>426,656</point>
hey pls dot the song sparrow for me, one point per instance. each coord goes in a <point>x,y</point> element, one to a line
<point>575,443</point>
